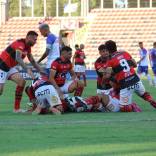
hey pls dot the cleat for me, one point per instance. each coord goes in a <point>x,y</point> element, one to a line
<point>19,111</point>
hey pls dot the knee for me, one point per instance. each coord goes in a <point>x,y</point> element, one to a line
<point>22,83</point>
<point>80,84</point>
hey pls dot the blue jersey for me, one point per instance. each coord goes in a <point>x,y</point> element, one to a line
<point>153,56</point>
<point>52,43</point>
<point>143,53</point>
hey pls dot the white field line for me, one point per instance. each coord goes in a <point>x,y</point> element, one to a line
<point>73,122</point>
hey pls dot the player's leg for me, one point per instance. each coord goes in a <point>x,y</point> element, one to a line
<point>30,93</point>
<point>3,78</point>
<point>154,72</point>
<point>53,99</point>
<point>84,79</point>
<point>78,87</point>
<point>140,90</point>
<point>15,76</point>
<point>71,86</point>
<point>126,99</point>
<point>148,75</point>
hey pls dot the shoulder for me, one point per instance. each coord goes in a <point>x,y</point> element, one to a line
<point>19,44</point>
<point>98,60</point>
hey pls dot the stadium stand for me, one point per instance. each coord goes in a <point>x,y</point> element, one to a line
<point>126,26</point>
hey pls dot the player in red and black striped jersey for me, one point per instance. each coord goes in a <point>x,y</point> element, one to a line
<point>79,63</point>
<point>103,86</point>
<point>12,56</point>
<point>123,69</point>
<point>59,69</point>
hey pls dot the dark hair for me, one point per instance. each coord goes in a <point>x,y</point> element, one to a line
<point>154,44</point>
<point>101,47</point>
<point>66,48</point>
<point>76,46</point>
<point>140,42</point>
<point>33,33</point>
<point>111,46</point>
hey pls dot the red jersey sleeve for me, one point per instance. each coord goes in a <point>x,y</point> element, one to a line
<point>18,46</point>
<point>97,65</point>
<point>54,65</point>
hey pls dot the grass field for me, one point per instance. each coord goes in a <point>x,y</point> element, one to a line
<point>84,134</point>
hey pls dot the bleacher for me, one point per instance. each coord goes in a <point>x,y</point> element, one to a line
<point>125,26</point>
<point>17,27</point>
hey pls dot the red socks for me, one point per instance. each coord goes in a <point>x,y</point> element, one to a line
<point>18,97</point>
<point>78,91</point>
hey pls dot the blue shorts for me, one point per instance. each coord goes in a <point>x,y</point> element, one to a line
<point>154,69</point>
<point>142,69</point>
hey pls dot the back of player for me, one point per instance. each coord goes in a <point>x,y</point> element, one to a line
<point>143,62</point>
<point>123,68</point>
<point>152,56</point>
<point>79,63</point>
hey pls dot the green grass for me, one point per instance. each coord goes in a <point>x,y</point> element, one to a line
<point>84,134</point>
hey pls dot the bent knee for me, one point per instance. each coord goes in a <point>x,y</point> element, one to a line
<point>22,82</point>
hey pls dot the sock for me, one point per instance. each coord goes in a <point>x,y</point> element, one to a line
<point>126,108</point>
<point>84,78</point>
<point>78,91</point>
<point>18,97</point>
<point>147,97</point>
<point>29,91</point>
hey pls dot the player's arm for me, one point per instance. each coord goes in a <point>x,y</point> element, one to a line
<point>73,59</point>
<point>73,75</point>
<point>33,62</point>
<point>134,63</point>
<point>45,54</point>
<point>53,82</point>
<point>21,63</point>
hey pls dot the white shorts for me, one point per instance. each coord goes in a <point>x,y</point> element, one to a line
<point>79,68</point>
<point>6,75</point>
<point>65,87</point>
<point>101,92</point>
<point>126,93</point>
<point>114,105</point>
<point>47,96</point>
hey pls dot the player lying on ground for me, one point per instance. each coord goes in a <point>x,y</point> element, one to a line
<point>43,95</point>
<point>98,103</point>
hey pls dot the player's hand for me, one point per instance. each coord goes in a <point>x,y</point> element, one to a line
<point>29,71</point>
<point>61,95</point>
<point>101,70</point>
<point>42,71</point>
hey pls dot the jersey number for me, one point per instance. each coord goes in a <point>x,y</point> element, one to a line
<point>125,65</point>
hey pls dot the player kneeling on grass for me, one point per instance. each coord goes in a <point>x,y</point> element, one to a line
<point>58,72</point>
<point>44,97</point>
<point>122,65</point>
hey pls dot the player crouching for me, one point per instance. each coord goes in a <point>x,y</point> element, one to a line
<point>44,97</point>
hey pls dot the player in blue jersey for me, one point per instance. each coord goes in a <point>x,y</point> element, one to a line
<point>143,62</point>
<point>52,46</point>
<point>152,57</point>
